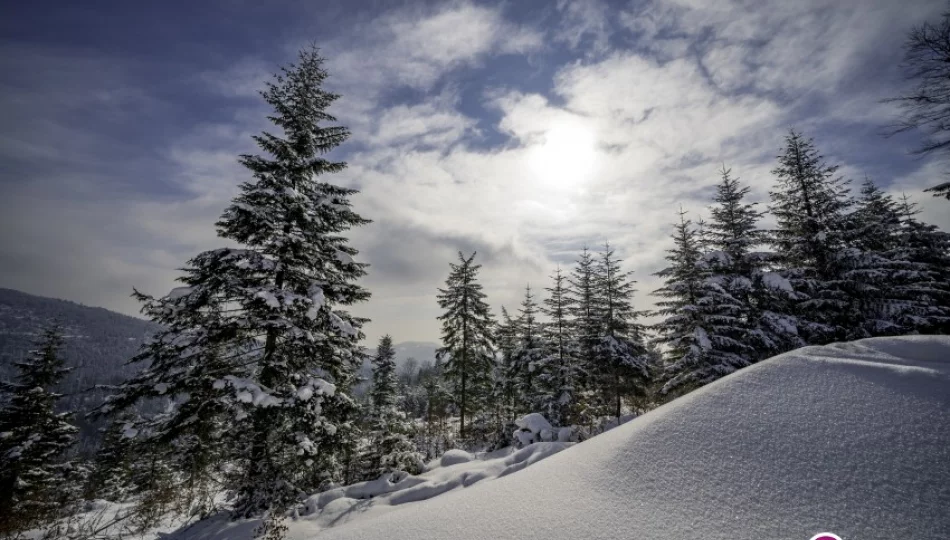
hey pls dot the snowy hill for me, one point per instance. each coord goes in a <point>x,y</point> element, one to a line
<point>97,344</point>
<point>849,438</point>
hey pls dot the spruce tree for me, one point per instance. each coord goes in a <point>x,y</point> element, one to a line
<point>622,366</point>
<point>809,203</point>
<point>390,449</point>
<point>528,356</point>
<point>256,342</point>
<point>924,280</point>
<point>698,348</point>
<point>585,319</point>
<point>35,481</point>
<point>754,322</point>
<point>875,228</point>
<point>506,335</point>
<point>467,340</point>
<point>560,371</point>
<point>111,477</point>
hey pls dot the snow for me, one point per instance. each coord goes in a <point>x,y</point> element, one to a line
<point>534,428</point>
<point>850,438</point>
<point>388,494</point>
<point>775,281</point>
<point>454,457</point>
<point>178,292</point>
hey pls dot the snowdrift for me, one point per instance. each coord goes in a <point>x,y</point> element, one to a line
<point>850,438</point>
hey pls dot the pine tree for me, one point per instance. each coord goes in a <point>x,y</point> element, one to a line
<point>467,340</point>
<point>528,356</point>
<point>695,327</point>
<point>924,280</point>
<point>506,335</point>
<point>622,359</point>
<point>754,320</point>
<point>875,227</point>
<point>585,319</point>
<point>561,371</point>
<point>256,341</point>
<point>111,477</point>
<point>809,204</point>
<point>389,447</point>
<point>35,481</point>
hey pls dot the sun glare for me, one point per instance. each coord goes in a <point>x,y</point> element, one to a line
<point>565,156</point>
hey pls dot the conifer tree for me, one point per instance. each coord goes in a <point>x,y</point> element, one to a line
<point>528,356</point>
<point>809,203</point>
<point>35,481</point>
<point>585,318</point>
<point>389,450</point>
<point>467,340</point>
<point>622,358</point>
<point>752,306</point>
<point>560,371</point>
<point>506,335</point>
<point>111,477</point>
<point>698,350</point>
<point>257,340</point>
<point>924,281</point>
<point>875,232</point>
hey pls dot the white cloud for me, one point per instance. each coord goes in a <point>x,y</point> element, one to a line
<point>707,82</point>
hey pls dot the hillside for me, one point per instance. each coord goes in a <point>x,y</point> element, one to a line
<point>850,438</point>
<point>97,344</point>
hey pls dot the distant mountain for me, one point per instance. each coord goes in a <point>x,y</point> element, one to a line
<point>97,345</point>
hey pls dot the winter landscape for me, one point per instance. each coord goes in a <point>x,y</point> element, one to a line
<point>428,270</point>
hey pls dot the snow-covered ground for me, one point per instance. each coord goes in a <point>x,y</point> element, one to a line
<point>850,438</point>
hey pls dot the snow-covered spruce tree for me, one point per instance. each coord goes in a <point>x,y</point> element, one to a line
<point>437,438</point>
<point>585,318</point>
<point>111,477</point>
<point>810,205</point>
<point>256,342</point>
<point>35,483</point>
<point>528,356</point>
<point>560,370</point>
<point>622,365</point>
<point>691,307</point>
<point>467,340</point>
<point>390,449</point>
<point>875,228</point>
<point>924,280</point>
<point>752,303</point>
<point>506,337</point>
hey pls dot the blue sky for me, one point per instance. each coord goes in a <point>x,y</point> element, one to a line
<point>522,129</point>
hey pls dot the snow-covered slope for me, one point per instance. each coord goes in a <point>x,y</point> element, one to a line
<point>849,438</point>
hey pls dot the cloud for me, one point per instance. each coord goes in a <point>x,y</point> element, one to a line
<point>695,85</point>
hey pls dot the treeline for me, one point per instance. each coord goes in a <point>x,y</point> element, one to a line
<point>256,357</point>
<point>837,266</point>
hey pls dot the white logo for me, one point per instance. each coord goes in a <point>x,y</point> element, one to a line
<point>826,536</point>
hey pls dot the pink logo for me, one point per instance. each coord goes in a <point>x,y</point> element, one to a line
<point>826,536</point>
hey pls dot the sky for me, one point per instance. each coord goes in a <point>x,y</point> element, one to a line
<point>523,130</point>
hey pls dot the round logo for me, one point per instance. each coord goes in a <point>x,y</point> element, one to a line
<point>826,536</point>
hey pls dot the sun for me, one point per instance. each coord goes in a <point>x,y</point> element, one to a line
<point>565,156</point>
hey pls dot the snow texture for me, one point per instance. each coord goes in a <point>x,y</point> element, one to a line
<point>852,438</point>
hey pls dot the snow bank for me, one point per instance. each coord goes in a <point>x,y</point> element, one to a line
<point>456,470</point>
<point>850,438</point>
